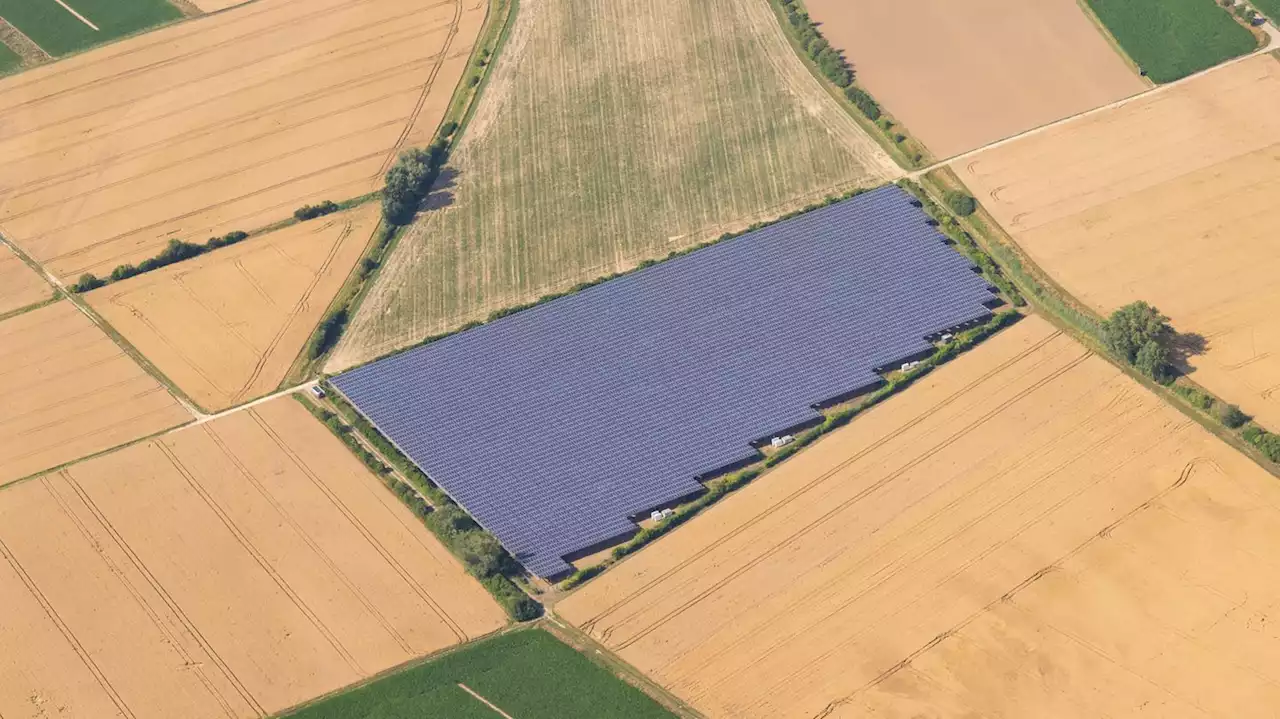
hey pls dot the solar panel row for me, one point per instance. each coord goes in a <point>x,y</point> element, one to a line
<point>555,425</point>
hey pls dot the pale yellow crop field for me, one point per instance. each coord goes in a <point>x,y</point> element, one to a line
<point>1165,199</point>
<point>232,569</point>
<point>227,325</point>
<point>1024,533</point>
<point>224,122</point>
<point>20,286</point>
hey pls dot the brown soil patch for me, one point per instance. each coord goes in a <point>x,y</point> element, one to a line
<point>226,326</point>
<point>69,391</point>
<point>20,286</point>
<point>231,569</point>
<point>1025,533</point>
<point>1165,199</point>
<point>961,75</point>
<point>225,122</point>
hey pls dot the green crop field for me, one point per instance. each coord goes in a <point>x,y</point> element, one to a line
<point>614,131</point>
<point>1171,39</point>
<point>527,674</point>
<point>55,29</point>
<point>1270,8</point>
<point>9,60</point>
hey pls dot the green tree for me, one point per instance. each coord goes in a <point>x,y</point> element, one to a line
<point>1140,335</point>
<point>1231,416</point>
<point>961,203</point>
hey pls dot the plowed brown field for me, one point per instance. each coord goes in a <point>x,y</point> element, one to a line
<point>20,286</point>
<point>232,569</point>
<point>961,75</point>
<point>69,391</point>
<point>225,122</point>
<point>1165,199</point>
<point>227,325</point>
<point>1025,533</point>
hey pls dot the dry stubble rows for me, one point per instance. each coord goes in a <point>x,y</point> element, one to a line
<point>226,326</point>
<point>226,122</point>
<point>20,286</point>
<point>1166,199</point>
<point>1026,532</point>
<point>232,569</point>
<point>69,391</point>
<point>613,132</point>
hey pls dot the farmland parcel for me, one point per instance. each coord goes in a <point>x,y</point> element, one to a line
<point>1025,533</point>
<point>20,286</point>
<point>666,375</point>
<point>963,75</point>
<point>232,569</point>
<point>1170,39</point>
<point>611,132</point>
<point>58,30</point>
<point>529,674</point>
<point>226,326</point>
<point>1165,199</point>
<point>69,391</point>
<point>227,122</point>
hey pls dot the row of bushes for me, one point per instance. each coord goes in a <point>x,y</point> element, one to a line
<point>833,421</point>
<point>833,65</point>
<point>310,212</point>
<point>175,251</point>
<point>481,553</point>
<point>961,239</point>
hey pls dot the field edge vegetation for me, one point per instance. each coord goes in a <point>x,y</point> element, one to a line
<point>1171,39</point>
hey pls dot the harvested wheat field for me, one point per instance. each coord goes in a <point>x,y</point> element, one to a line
<point>234,568</point>
<point>1024,533</point>
<point>227,325</point>
<point>1166,199</point>
<point>20,286</point>
<point>69,391</point>
<point>960,75</point>
<point>612,132</point>
<point>226,122</point>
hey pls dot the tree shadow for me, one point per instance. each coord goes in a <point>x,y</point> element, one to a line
<point>1185,346</point>
<point>442,193</point>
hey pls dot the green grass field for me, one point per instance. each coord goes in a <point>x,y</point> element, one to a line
<point>9,60</point>
<point>1171,39</point>
<point>1270,8</point>
<point>614,131</point>
<point>527,674</point>
<point>59,32</point>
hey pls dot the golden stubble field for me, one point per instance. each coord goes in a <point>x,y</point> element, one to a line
<point>1025,533</point>
<point>227,325</point>
<point>20,286</point>
<point>226,122</point>
<point>612,132</point>
<point>231,569</point>
<point>1165,199</point>
<point>69,391</point>
<point>961,75</point>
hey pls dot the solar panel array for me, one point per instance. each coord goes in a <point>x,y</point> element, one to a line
<point>554,425</point>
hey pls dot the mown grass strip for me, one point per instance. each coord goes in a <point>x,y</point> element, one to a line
<point>59,32</point>
<point>480,552</point>
<point>1170,39</point>
<point>528,674</point>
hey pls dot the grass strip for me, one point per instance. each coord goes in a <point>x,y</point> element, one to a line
<point>480,552</point>
<point>1171,39</point>
<point>527,673</point>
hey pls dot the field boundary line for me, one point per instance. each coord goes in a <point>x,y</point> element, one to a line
<point>307,538</point>
<point>163,593</point>
<point>590,623</point>
<point>853,500</point>
<point>484,701</point>
<point>65,630</point>
<point>351,517</point>
<point>80,17</point>
<point>1008,597</point>
<point>261,559</point>
<point>119,573</point>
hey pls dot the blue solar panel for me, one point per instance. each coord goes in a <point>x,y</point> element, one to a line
<point>554,425</point>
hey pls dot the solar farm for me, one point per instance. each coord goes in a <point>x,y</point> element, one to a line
<point>556,426</point>
<point>686,359</point>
